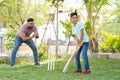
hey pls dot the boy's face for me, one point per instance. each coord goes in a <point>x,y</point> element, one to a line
<point>74,19</point>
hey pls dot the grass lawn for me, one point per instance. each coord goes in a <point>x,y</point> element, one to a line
<point>102,69</point>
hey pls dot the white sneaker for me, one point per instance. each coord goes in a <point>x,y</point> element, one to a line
<point>11,66</point>
<point>38,65</point>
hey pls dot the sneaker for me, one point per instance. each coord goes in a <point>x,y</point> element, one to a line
<point>86,72</point>
<point>11,66</point>
<point>38,65</point>
<point>78,71</point>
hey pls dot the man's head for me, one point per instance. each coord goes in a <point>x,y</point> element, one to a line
<point>30,23</point>
<point>74,17</point>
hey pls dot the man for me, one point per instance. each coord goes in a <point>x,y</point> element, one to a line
<point>82,42</point>
<point>24,36</point>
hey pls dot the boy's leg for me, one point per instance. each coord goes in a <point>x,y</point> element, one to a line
<point>17,43</point>
<point>84,54</point>
<point>78,59</point>
<point>31,44</point>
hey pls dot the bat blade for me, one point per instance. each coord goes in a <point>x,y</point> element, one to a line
<point>65,69</point>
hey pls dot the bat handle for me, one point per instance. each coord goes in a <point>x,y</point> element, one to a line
<point>78,47</point>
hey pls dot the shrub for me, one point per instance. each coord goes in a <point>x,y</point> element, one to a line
<point>42,52</point>
<point>4,60</point>
<point>9,38</point>
<point>110,43</point>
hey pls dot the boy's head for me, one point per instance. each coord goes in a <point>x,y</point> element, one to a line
<point>74,17</point>
<point>30,23</point>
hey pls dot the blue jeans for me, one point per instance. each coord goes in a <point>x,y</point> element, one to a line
<point>84,49</point>
<point>18,41</point>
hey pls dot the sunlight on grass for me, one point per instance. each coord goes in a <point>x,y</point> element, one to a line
<point>102,69</point>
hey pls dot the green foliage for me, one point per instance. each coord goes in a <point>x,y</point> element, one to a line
<point>9,38</point>
<point>88,28</point>
<point>55,1</point>
<point>113,28</point>
<point>4,60</point>
<point>42,52</point>
<point>68,28</point>
<point>116,13</point>
<point>15,12</point>
<point>110,43</point>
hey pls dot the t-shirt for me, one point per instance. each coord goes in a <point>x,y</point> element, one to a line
<point>76,31</point>
<point>23,30</point>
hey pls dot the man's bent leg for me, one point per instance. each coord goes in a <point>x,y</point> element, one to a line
<point>34,49</point>
<point>17,43</point>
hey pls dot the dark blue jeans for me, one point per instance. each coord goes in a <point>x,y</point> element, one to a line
<point>18,41</point>
<point>84,49</point>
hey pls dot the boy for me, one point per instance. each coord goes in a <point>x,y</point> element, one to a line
<point>82,41</point>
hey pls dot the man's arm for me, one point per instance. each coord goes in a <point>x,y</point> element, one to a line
<point>24,37</point>
<point>36,34</point>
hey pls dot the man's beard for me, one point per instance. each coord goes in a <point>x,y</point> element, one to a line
<point>30,27</point>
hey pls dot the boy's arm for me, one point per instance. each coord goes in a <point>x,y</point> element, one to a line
<point>81,37</point>
<point>76,40</point>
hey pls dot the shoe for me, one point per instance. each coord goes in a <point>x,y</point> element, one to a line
<point>38,65</point>
<point>86,72</point>
<point>11,66</point>
<point>78,71</point>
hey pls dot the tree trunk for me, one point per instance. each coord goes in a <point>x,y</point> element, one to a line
<point>57,29</point>
<point>93,46</point>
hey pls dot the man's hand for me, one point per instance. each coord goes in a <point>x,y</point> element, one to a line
<point>36,35</point>
<point>32,35</point>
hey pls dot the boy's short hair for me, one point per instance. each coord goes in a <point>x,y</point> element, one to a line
<point>30,19</point>
<point>73,13</point>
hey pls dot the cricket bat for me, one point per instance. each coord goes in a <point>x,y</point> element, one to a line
<point>65,69</point>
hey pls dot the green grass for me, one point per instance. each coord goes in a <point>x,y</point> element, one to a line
<point>102,69</point>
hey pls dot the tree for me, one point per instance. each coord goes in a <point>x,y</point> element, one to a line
<point>68,31</point>
<point>15,12</point>
<point>56,3</point>
<point>116,12</point>
<point>93,7</point>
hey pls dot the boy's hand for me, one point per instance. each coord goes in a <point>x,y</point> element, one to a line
<point>79,45</point>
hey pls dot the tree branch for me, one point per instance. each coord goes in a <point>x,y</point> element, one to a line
<point>97,12</point>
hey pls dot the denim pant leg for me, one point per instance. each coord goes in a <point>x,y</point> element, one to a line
<point>84,54</point>
<point>17,43</point>
<point>31,44</point>
<point>78,59</point>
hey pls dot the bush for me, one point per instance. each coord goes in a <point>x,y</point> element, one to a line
<point>42,52</point>
<point>110,43</point>
<point>4,60</point>
<point>9,38</point>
